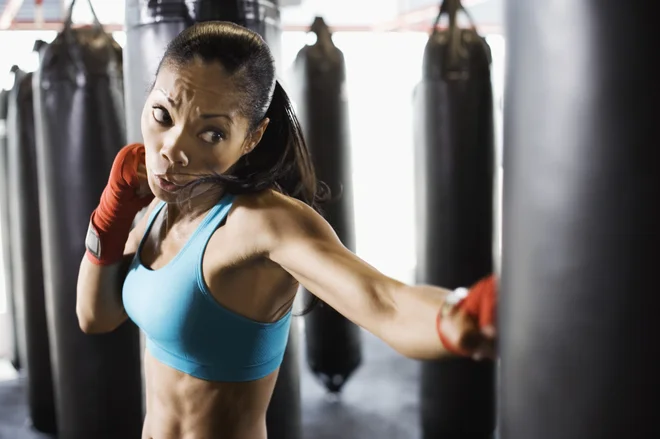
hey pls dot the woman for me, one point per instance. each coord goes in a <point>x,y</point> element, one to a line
<point>211,271</point>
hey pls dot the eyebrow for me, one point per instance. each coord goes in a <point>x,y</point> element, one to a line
<point>169,99</point>
<point>203,116</point>
<point>212,116</point>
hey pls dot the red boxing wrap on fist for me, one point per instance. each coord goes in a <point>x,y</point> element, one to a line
<point>120,202</point>
<point>480,302</point>
<point>479,305</point>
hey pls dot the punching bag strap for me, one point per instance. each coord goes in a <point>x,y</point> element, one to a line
<point>68,23</point>
<point>323,36</point>
<point>456,50</point>
<point>452,7</point>
<point>69,36</point>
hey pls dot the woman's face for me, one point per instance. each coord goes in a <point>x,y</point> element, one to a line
<point>191,127</point>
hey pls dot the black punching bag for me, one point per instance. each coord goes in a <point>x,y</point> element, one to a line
<point>5,218</point>
<point>454,153</point>
<point>333,342</point>
<point>579,303</point>
<point>80,128</point>
<point>13,133</point>
<point>27,276</point>
<point>150,26</point>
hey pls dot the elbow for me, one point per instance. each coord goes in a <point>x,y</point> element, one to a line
<point>385,324</point>
<point>90,325</point>
<point>408,324</point>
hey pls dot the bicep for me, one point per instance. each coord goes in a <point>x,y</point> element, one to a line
<point>313,254</point>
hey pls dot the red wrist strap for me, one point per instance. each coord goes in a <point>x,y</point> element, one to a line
<point>479,304</point>
<point>119,204</point>
<point>446,343</point>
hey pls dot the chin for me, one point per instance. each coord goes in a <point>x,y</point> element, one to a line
<point>165,196</point>
<point>160,193</point>
<point>168,197</point>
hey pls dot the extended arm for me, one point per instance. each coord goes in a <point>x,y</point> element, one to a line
<point>403,316</point>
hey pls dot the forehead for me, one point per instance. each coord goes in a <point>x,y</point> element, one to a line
<point>199,84</point>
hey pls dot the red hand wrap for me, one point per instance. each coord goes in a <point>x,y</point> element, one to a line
<point>113,218</point>
<point>480,304</point>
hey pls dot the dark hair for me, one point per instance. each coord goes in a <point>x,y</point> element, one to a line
<point>281,160</point>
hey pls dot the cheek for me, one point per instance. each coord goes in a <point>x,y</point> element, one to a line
<point>226,156</point>
<point>152,158</point>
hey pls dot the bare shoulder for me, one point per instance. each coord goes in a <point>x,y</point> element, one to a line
<point>276,217</point>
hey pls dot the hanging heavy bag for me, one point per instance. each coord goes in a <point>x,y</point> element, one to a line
<point>27,273</point>
<point>150,26</point>
<point>284,415</point>
<point>80,128</point>
<point>333,342</point>
<point>5,238</point>
<point>579,284</point>
<point>13,133</point>
<point>454,149</point>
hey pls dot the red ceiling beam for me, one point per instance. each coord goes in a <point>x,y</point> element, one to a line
<point>9,13</point>
<point>410,27</point>
<point>54,25</point>
<point>421,17</point>
<point>418,20</point>
<point>112,27</point>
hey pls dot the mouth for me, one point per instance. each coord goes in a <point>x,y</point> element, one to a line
<point>168,185</point>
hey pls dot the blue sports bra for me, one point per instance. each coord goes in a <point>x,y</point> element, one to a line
<point>186,328</point>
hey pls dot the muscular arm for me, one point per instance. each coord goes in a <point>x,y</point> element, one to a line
<point>404,316</point>
<point>99,304</point>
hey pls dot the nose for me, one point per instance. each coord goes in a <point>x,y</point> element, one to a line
<point>174,151</point>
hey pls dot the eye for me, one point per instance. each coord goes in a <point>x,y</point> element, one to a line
<point>161,115</point>
<point>212,137</point>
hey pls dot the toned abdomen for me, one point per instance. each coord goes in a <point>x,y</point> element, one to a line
<point>180,406</point>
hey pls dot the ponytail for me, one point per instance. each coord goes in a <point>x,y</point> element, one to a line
<point>298,178</point>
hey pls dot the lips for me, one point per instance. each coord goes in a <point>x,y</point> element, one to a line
<point>171,179</point>
<point>168,185</point>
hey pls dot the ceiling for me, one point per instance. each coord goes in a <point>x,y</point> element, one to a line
<point>296,14</point>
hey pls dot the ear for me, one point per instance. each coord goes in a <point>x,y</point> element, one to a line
<point>255,136</point>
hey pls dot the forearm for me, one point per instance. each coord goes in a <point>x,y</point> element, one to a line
<point>412,328</point>
<point>99,304</point>
<point>110,243</point>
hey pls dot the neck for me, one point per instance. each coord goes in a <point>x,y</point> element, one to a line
<point>199,203</point>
